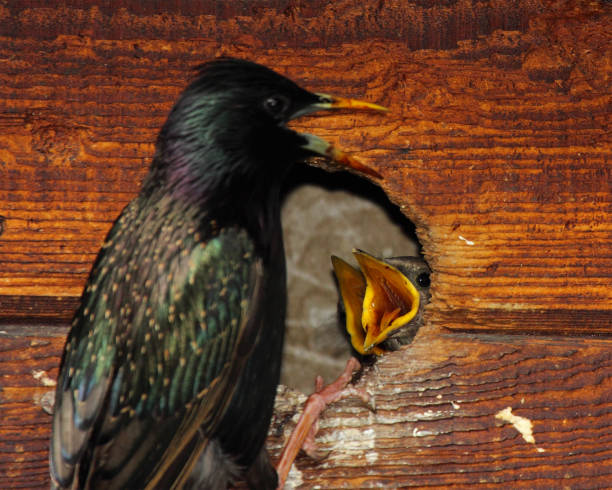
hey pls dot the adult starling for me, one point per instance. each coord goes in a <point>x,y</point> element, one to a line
<point>170,370</point>
<point>383,302</point>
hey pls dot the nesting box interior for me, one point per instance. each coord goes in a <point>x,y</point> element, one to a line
<point>497,147</point>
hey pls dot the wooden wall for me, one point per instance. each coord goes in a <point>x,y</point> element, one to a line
<point>498,147</point>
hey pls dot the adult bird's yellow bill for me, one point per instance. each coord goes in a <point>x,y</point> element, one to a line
<point>321,147</point>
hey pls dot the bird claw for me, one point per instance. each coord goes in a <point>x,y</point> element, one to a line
<point>341,388</point>
<point>367,399</point>
<point>310,448</point>
<point>303,436</point>
<point>316,454</point>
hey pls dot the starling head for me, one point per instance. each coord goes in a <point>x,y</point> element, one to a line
<point>383,302</point>
<point>228,130</point>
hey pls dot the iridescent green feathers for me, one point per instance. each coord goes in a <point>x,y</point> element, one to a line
<point>160,321</point>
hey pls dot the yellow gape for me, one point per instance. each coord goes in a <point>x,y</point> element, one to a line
<point>378,300</point>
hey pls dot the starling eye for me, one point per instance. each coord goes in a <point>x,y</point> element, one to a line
<point>276,105</point>
<point>423,280</point>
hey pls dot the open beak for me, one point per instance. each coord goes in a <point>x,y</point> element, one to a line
<point>378,300</point>
<point>352,290</point>
<point>390,299</point>
<point>321,147</point>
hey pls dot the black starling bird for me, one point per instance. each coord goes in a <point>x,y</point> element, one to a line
<point>384,302</point>
<point>170,370</point>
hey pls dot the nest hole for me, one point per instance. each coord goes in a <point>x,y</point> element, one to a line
<point>330,214</point>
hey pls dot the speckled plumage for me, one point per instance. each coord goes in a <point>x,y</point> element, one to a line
<point>170,369</point>
<point>157,328</point>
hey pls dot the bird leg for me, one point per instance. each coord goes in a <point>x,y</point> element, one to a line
<point>304,432</point>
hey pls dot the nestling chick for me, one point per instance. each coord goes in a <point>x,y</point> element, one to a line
<point>383,304</point>
<point>384,301</point>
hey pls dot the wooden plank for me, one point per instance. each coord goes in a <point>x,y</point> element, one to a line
<point>497,147</point>
<point>29,362</point>
<point>435,423</point>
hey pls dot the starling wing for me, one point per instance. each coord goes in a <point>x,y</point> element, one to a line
<point>153,359</point>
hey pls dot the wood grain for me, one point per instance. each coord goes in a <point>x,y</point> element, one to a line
<point>498,147</point>
<point>29,361</point>
<point>434,425</point>
<point>498,144</point>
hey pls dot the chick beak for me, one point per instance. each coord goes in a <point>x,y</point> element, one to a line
<point>352,286</point>
<point>390,300</point>
<point>321,147</point>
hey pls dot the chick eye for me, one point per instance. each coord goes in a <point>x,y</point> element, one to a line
<point>276,105</point>
<point>423,280</point>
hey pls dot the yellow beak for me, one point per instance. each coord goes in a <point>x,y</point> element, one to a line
<point>334,102</point>
<point>378,300</point>
<point>321,147</point>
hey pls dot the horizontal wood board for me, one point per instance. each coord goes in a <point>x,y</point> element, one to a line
<point>497,146</point>
<point>435,423</point>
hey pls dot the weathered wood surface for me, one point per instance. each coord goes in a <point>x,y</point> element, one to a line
<point>498,146</point>
<point>435,421</point>
<point>29,361</point>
